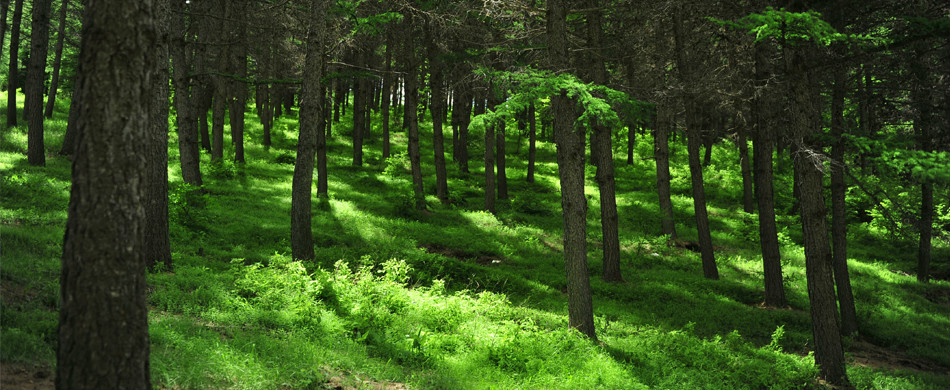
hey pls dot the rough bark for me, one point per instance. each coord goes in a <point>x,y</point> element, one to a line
<point>631,142</point>
<point>39,42</point>
<point>805,122</point>
<point>762,147</point>
<point>69,139</point>
<point>237,88</point>
<point>311,113</point>
<point>570,161</point>
<point>14,60</point>
<point>501,176</point>
<point>839,223</point>
<point>923,101</point>
<point>661,153</point>
<point>157,247</point>
<point>4,9</point>
<point>103,322</point>
<point>532,142</point>
<point>184,99</point>
<point>57,59</point>
<point>748,198</point>
<point>438,115</point>
<point>387,94</point>
<point>490,185</point>
<point>359,116</point>
<point>411,116</point>
<point>465,119</point>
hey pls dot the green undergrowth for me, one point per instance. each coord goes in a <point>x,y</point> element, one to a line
<point>457,298</point>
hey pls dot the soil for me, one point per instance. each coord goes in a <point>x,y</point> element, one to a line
<point>25,377</point>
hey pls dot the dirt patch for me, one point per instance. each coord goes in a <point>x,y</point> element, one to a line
<point>14,294</point>
<point>478,258</point>
<point>341,380</point>
<point>865,354</point>
<point>26,377</point>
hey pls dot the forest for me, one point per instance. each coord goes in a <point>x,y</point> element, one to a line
<point>474,194</point>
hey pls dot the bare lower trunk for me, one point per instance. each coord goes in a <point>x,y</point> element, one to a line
<point>661,152</point>
<point>57,60</point>
<point>532,141</point>
<point>36,148</point>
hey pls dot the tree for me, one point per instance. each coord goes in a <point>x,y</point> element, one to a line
<point>438,112</point>
<point>4,9</point>
<point>184,98</point>
<point>36,150</point>
<point>694,116</point>
<point>103,321</point>
<point>311,114</point>
<point>570,162</point>
<point>157,247</point>
<point>14,60</point>
<point>411,114</point>
<point>601,150</point>
<point>57,60</point>
<point>763,137</point>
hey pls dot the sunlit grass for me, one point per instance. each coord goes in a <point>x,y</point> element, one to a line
<point>455,297</point>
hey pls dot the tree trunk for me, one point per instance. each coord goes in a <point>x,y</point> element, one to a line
<point>570,161</point>
<point>387,94</point>
<point>490,167</point>
<point>359,116</point>
<point>438,108</point>
<point>57,60</point>
<point>631,141</point>
<point>748,197</point>
<point>311,113</point>
<point>532,142</point>
<point>238,89</point>
<point>322,131</point>
<point>501,177</point>
<point>839,223</point>
<point>693,141</point>
<point>14,60</point>
<point>69,139</point>
<point>184,98</point>
<point>411,115</point>
<point>762,146</point>
<point>805,122</point>
<point>661,153</point>
<point>923,100</point>
<point>4,9</point>
<point>204,97</point>
<point>36,149</point>
<point>157,248</point>
<point>103,316</point>
<point>465,119</point>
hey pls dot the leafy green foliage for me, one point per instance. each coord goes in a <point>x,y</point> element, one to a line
<point>596,103</point>
<point>792,27</point>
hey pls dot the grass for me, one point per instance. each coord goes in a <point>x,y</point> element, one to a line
<point>457,298</point>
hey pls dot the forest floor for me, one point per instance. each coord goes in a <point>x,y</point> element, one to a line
<point>455,297</point>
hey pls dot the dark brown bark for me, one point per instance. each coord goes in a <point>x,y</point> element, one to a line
<point>36,74</point>
<point>387,94</point>
<point>69,139</point>
<point>57,59</point>
<point>490,186</point>
<point>411,115</point>
<point>359,115</point>
<point>631,142</point>
<point>14,61</point>
<point>602,155</point>
<point>805,122</point>
<point>748,197</point>
<point>204,98</point>
<point>532,142</point>
<point>237,88</point>
<point>157,248</point>
<point>322,132</point>
<point>693,141</point>
<point>762,147</point>
<point>184,99</point>
<point>4,9</point>
<point>311,114</point>
<point>570,161</point>
<point>103,321</point>
<point>465,119</point>
<point>501,176</point>
<point>922,96</point>
<point>661,153</point>
<point>438,115</point>
<point>218,110</point>
<point>839,223</point>
<point>220,84</point>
